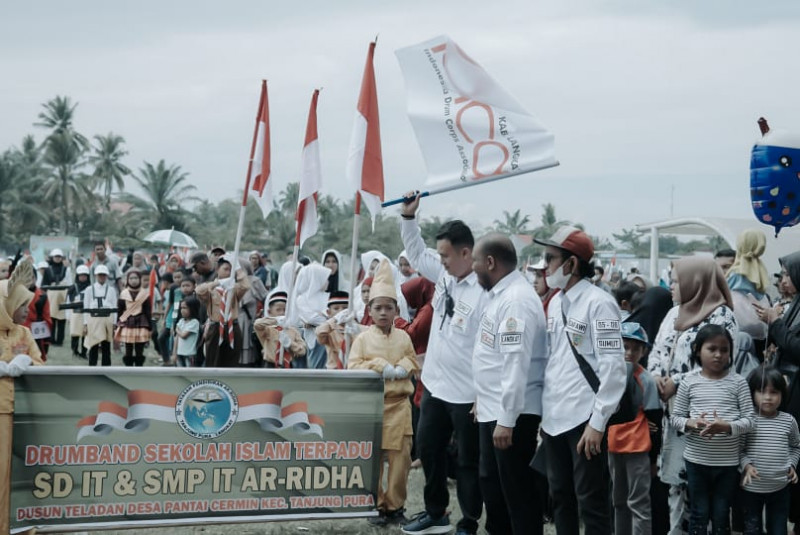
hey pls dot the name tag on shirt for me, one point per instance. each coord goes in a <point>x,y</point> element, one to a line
<point>576,326</point>
<point>609,343</point>
<point>487,338</point>
<point>606,325</point>
<point>551,325</point>
<point>487,324</point>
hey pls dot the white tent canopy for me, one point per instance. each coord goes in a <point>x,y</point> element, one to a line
<point>728,229</point>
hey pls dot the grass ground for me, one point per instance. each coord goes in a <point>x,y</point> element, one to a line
<point>61,356</point>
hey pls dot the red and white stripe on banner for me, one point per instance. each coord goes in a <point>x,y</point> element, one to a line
<point>263,407</point>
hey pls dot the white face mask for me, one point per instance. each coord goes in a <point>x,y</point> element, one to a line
<point>558,279</point>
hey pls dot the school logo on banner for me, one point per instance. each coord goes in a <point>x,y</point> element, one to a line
<point>206,409</point>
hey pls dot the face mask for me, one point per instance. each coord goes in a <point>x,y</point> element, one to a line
<point>558,279</point>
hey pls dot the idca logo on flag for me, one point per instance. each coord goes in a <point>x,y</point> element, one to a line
<point>468,127</point>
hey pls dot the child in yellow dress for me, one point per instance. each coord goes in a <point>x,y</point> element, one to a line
<point>388,351</point>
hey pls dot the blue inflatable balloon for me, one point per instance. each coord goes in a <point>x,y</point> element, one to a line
<point>775,178</point>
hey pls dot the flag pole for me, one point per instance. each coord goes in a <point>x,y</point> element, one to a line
<point>243,208</point>
<point>461,185</point>
<point>353,269</point>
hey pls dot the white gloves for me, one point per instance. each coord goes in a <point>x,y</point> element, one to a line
<point>388,372</point>
<point>344,316</point>
<point>400,372</point>
<point>16,367</point>
<point>285,340</point>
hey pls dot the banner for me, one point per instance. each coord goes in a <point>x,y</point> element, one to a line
<point>122,447</point>
<point>468,127</point>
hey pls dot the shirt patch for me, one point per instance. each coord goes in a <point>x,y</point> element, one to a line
<point>576,326</point>
<point>606,325</point>
<point>510,339</point>
<point>487,339</point>
<point>609,343</point>
<point>512,325</point>
<point>576,339</point>
<point>463,308</point>
<point>551,325</point>
<point>486,323</point>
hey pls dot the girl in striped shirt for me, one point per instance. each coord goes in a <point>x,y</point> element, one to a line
<point>770,455</point>
<point>714,409</point>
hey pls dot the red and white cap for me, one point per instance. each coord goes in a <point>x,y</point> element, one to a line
<point>573,240</point>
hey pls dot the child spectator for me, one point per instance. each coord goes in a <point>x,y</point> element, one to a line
<point>714,409</point>
<point>272,334</point>
<point>331,333</point>
<point>387,350</point>
<point>633,446</point>
<point>770,455</point>
<point>187,331</point>
<point>39,321</point>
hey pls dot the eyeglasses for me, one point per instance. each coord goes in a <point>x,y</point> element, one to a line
<point>449,306</point>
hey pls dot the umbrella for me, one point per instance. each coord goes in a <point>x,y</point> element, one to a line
<point>171,237</point>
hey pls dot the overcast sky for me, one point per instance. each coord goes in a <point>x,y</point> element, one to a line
<point>642,96</point>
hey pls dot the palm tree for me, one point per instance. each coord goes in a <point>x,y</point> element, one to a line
<point>109,171</point>
<point>57,116</point>
<point>550,223</point>
<point>17,205</point>
<point>165,189</point>
<point>65,187</point>
<point>514,223</point>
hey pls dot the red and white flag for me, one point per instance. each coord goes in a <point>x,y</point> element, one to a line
<point>364,161</point>
<point>259,170</point>
<point>310,179</point>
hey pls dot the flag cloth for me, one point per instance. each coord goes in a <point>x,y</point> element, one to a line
<point>468,127</point>
<point>364,161</point>
<point>259,181</point>
<point>310,179</point>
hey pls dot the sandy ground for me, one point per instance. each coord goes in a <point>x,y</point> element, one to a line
<point>62,356</point>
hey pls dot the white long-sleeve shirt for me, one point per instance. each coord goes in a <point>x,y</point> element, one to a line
<point>447,373</point>
<point>99,296</point>
<point>593,326</point>
<point>510,352</point>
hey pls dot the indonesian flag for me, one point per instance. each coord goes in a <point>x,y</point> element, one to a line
<point>259,170</point>
<point>364,162</point>
<point>310,179</point>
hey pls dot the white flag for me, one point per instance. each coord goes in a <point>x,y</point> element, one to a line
<point>468,127</point>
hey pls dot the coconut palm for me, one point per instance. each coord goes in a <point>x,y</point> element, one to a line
<point>165,190</point>
<point>64,186</point>
<point>58,115</point>
<point>550,223</point>
<point>514,223</point>
<point>109,171</point>
<point>18,207</point>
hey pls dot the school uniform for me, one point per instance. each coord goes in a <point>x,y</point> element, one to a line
<point>99,329</point>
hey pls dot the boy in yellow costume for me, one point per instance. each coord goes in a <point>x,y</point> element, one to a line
<point>388,351</point>
<point>17,351</point>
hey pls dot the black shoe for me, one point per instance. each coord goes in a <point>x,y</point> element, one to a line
<point>379,521</point>
<point>397,517</point>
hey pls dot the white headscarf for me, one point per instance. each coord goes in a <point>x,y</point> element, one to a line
<point>344,284</point>
<point>285,276</point>
<point>310,300</point>
<point>366,260</point>
<point>402,277</point>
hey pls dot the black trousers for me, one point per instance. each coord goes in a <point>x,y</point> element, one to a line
<point>59,327</point>
<point>577,485</point>
<point>438,421</point>
<point>78,347</point>
<point>507,482</point>
<point>105,348</point>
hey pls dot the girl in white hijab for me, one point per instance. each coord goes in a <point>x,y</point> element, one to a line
<point>307,309</point>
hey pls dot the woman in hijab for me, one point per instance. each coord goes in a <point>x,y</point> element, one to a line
<point>369,263</point>
<point>702,297</point>
<point>405,269</point>
<point>784,333</point>
<point>308,311</point>
<point>15,340</point>
<point>332,260</point>
<point>748,281</point>
<point>134,318</point>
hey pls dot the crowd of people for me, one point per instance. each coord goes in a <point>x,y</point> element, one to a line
<point>547,391</point>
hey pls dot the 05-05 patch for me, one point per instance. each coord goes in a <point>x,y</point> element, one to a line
<point>606,325</point>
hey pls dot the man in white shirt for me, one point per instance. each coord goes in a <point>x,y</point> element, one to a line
<point>98,328</point>
<point>508,364</point>
<point>582,319</point>
<point>449,392</point>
